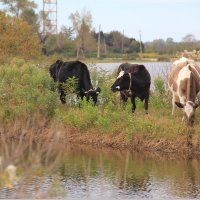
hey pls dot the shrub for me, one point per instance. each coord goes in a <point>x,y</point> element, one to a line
<point>159,85</point>
<point>17,38</point>
<point>24,89</point>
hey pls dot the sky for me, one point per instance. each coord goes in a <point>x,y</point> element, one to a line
<point>154,19</point>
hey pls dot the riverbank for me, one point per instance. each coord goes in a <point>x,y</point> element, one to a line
<point>31,111</point>
<point>47,132</point>
<point>186,144</point>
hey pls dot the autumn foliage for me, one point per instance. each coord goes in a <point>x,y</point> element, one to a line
<point>17,38</point>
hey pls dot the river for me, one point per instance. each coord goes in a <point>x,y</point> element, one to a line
<point>79,172</point>
<point>155,68</point>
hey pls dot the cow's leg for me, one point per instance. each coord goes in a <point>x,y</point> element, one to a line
<point>123,97</point>
<point>146,100</point>
<point>62,97</point>
<point>133,103</point>
<point>173,103</point>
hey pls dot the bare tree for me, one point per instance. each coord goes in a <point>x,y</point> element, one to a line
<point>82,24</point>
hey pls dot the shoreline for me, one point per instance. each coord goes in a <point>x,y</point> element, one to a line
<point>49,132</point>
<point>139,143</point>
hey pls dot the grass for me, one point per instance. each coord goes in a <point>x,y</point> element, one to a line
<point>26,89</point>
<point>32,117</point>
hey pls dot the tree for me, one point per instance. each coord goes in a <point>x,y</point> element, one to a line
<point>170,45</point>
<point>31,18</point>
<point>82,25</point>
<point>188,42</point>
<point>157,46</point>
<point>68,32</point>
<point>17,37</point>
<point>134,47</point>
<point>16,7</point>
<point>66,45</point>
<point>26,10</point>
<point>189,38</point>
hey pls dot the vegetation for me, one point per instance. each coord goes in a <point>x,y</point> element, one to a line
<point>17,38</point>
<point>24,90</point>
<point>31,115</point>
<point>22,25</point>
<point>29,91</point>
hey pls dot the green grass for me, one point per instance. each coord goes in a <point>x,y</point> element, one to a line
<point>25,89</point>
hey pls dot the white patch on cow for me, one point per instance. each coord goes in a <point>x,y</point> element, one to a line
<point>184,73</point>
<point>121,74</point>
<point>188,109</point>
<point>181,60</point>
<point>117,87</point>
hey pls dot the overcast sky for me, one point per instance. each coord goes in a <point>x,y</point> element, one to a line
<point>155,18</point>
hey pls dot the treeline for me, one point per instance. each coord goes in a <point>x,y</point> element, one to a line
<point>21,35</point>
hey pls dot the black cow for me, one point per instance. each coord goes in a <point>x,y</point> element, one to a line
<point>134,84</point>
<point>127,68</point>
<point>60,71</point>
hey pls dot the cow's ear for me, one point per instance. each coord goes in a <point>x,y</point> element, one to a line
<point>180,105</point>
<point>58,61</point>
<point>98,90</point>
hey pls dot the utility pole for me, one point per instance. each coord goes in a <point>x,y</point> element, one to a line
<point>140,41</point>
<point>99,39</point>
<point>105,48</point>
<point>122,42</point>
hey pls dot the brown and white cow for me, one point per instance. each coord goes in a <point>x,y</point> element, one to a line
<point>184,83</point>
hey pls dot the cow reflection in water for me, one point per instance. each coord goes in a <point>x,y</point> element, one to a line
<point>61,71</point>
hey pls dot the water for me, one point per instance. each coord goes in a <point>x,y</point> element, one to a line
<point>78,172</point>
<point>155,68</point>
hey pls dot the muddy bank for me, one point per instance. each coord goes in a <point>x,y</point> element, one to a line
<point>180,145</point>
<point>46,131</point>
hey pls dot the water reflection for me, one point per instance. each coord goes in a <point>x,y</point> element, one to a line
<point>88,173</point>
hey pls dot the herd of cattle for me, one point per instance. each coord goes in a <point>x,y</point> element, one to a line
<point>134,80</point>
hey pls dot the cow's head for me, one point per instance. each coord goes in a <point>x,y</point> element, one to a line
<point>188,111</point>
<point>122,82</point>
<point>54,69</point>
<point>92,94</point>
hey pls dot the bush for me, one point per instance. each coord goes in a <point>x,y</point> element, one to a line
<point>159,85</point>
<point>24,89</point>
